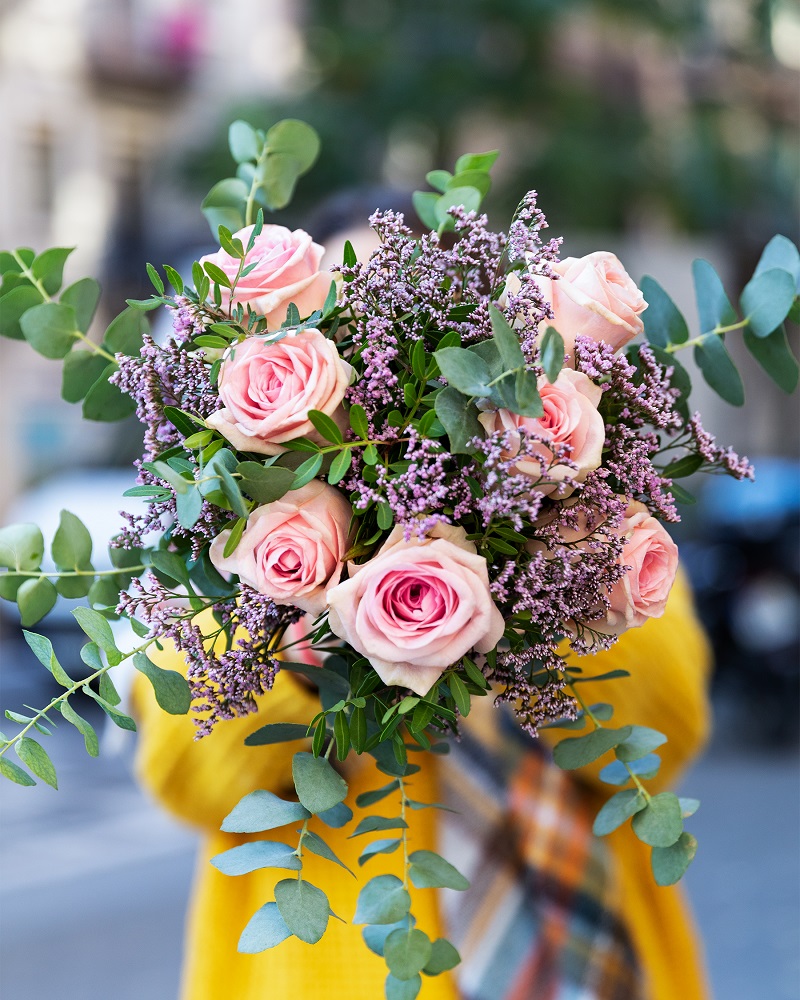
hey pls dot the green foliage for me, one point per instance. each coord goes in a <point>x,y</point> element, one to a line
<point>407,951</point>
<point>617,809</point>
<point>314,843</point>
<point>663,322</point>
<point>552,353</point>
<point>402,989</point>
<point>255,855</point>
<point>265,929</point>
<point>50,328</point>
<point>444,957</point>
<point>84,728</point>
<point>659,824</point>
<point>430,871</point>
<point>264,483</point>
<point>467,187</point>
<point>318,786</point>
<point>262,810</point>
<point>383,900</point>
<point>578,751</point>
<point>171,688</point>
<point>277,732</point>
<point>641,742</point>
<point>669,863</point>
<point>384,846</point>
<point>35,756</point>
<point>616,773</point>
<point>304,908</point>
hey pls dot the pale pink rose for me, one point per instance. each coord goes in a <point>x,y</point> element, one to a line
<point>570,418</point>
<point>653,560</point>
<point>417,607</point>
<point>594,296</point>
<point>292,550</point>
<point>287,270</point>
<point>267,388</point>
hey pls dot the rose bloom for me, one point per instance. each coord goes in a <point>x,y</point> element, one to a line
<point>594,296</point>
<point>653,560</point>
<point>417,607</point>
<point>570,417</point>
<point>292,549</point>
<point>267,388</point>
<point>287,270</point>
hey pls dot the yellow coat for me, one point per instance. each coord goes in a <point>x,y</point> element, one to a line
<point>200,782</point>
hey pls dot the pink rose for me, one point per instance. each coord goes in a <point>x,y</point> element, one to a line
<point>596,297</point>
<point>653,560</point>
<point>417,607</point>
<point>287,270</point>
<point>570,418</point>
<point>292,550</point>
<point>267,388</point>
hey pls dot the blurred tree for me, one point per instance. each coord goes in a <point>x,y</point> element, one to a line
<point>617,110</point>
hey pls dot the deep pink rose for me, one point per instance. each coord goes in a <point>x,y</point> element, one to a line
<point>292,549</point>
<point>417,607</point>
<point>287,270</point>
<point>570,418</point>
<point>653,560</point>
<point>594,296</point>
<point>268,387</point>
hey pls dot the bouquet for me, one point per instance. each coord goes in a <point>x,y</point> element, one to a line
<point>424,478</point>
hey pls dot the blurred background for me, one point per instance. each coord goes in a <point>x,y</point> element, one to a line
<point>661,129</point>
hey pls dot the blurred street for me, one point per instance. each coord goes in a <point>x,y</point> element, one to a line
<point>94,879</point>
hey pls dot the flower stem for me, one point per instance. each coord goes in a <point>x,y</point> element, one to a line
<point>697,341</point>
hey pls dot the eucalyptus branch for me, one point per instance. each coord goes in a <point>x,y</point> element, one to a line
<point>598,725</point>
<point>404,829</point>
<point>671,348</point>
<point>39,574</point>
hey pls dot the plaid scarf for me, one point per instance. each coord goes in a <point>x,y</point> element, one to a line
<point>535,922</point>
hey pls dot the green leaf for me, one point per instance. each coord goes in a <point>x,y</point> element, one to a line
<point>224,205</point>
<point>105,402</point>
<point>619,807</point>
<point>444,956</point>
<point>780,252</point>
<point>118,718</point>
<point>383,900</point>
<point>402,989</point>
<point>407,951</point>
<point>439,179</point>
<point>467,197</point>
<point>174,278</point>
<point>296,139</point>
<point>370,798</point>
<point>688,807</point>
<point>371,824</point>
<point>80,372</point>
<point>235,536</point>
<point>243,142</point>
<point>684,466</point>
<point>43,651</point>
<point>477,179</point>
<point>460,694</point>
<point>277,732</point>
<point>35,756</point>
<point>72,543</point>
<point>476,161</point>
<point>306,471</point>
<point>13,306</point>
<point>99,631</point>
<point>257,854</point>
<point>325,426</point>
<point>507,341</point>
<point>383,846</point>
<point>775,357</point>
<point>304,908</point>
<point>616,773</point>
<point>551,353</point>
<point>265,484</point>
<point>713,306</point>
<point>265,929</point>
<point>464,370</point>
<point>84,728</point>
<point>340,466</point>
<point>425,203</point>
<point>318,785</point>
<point>15,773</point>
<point>663,322</point>
<point>125,332</point>
<point>108,691</point>
<point>337,816</point>
<point>188,507</point>
<point>48,267</point>
<point>50,328</point>
<point>172,690</point>
<point>314,843</point>
<point>578,751</point>
<point>670,863</point>
<point>660,823</point>
<point>767,299</point>
<point>21,547</point>
<point>83,296</point>
<point>459,418</point>
<point>430,871</point>
<point>641,741</point>
<point>719,370</point>
<point>358,421</point>
<point>35,598</point>
<point>262,810</point>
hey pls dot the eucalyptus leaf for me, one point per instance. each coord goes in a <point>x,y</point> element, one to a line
<point>337,816</point>
<point>464,370</point>
<point>83,296</point>
<point>444,956</point>
<point>616,773</point>
<point>660,823</point>
<point>767,299</point>
<point>669,864</point>
<point>262,810</point>
<point>105,402</point>
<point>459,417</point>
<point>277,732</point>
<point>617,809</point>
<point>719,370</point>
<point>125,332</point>
<point>578,751</point>
<point>14,304</point>
<point>21,547</point>
<point>713,306</point>
<point>265,929</point>
<point>35,599</point>
<point>80,372</point>
<point>383,846</point>
<point>314,843</point>
<point>407,951</point>
<point>402,989</point>
<point>171,689</point>
<point>430,871</point>
<point>304,908</point>
<point>383,900</point>
<point>256,854</point>
<point>551,353</point>
<point>641,741</point>
<point>224,205</point>
<point>775,356</point>
<point>264,484</point>
<point>780,253</point>
<point>663,322</point>
<point>50,328</point>
<point>318,785</point>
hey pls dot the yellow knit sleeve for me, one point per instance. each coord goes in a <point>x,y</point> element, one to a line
<point>200,781</point>
<point>669,662</point>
